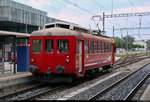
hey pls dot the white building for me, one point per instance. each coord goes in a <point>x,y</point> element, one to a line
<point>142,43</point>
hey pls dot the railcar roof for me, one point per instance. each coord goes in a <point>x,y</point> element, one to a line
<point>66,32</point>
<point>55,32</point>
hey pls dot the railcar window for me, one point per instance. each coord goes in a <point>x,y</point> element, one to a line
<point>92,47</point>
<point>106,50</point>
<point>36,46</point>
<point>49,45</point>
<point>110,47</point>
<point>63,46</point>
<point>102,47</point>
<point>50,26</point>
<point>98,47</point>
<point>86,47</point>
<point>77,48</point>
<point>95,47</point>
<point>107,47</point>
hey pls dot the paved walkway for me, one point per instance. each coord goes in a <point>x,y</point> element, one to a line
<point>146,94</point>
<point>12,76</point>
<point>10,79</point>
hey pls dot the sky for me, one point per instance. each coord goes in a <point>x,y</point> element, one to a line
<point>81,12</point>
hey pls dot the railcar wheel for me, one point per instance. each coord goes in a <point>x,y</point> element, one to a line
<point>97,70</point>
<point>107,69</point>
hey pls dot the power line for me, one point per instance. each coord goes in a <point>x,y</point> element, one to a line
<point>112,6</point>
<point>125,15</point>
<point>142,34</point>
<point>83,9</point>
<point>97,3</point>
<point>79,7</point>
<point>133,5</point>
<point>132,28</point>
<point>54,7</point>
<point>62,3</point>
<point>140,17</point>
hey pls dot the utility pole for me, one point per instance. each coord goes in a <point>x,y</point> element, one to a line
<point>113,31</point>
<point>112,7</point>
<point>140,24</point>
<point>104,22</point>
<point>127,42</point>
<point>14,49</point>
<point>104,16</point>
<point>122,41</point>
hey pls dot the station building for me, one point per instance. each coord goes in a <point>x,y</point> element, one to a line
<point>18,18</point>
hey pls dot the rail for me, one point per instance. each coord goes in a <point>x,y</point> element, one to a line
<point>95,97</point>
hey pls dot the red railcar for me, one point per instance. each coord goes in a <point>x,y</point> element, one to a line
<point>60,53</point>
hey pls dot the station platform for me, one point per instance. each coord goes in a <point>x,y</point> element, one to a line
<point>11,79</point>
<point>146,94</point>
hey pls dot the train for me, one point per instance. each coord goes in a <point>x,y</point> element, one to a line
<point>62,52</point>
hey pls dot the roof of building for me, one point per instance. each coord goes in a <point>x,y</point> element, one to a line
<point>6,33</point>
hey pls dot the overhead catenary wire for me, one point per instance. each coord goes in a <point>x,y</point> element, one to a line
<point>79,7</point>
<point>84,9</point>
<point>140,18</point>
<point>131,3</point>
<point>100,5</point>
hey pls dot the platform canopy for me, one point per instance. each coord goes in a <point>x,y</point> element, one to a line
<point>6,33</point>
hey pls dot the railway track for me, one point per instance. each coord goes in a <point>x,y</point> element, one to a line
<point>8,96</point>
<point>30,93</point>
<point>129,61</point>
<point>125,88</point>
<point>141,90</point>
<point>138,87</point>
<point>130,58</point>
<point>35,91</point>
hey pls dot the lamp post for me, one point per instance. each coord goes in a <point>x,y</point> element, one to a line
<point>26,23</point>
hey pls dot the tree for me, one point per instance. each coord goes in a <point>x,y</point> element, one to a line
<point>148,44</point>
<point>137,46</point>
<point>119,42</point>
<point>128,40</point>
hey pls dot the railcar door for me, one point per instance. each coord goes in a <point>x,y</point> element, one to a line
<point>80,45</point>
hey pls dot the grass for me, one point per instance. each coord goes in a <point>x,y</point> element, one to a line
<point>133,53</point>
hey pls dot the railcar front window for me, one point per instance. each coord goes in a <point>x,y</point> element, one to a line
<point>63,46</point>
<point>36,46</point>
<point>49,45</point>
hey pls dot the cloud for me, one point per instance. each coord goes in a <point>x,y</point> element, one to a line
<point>74,15</point>
<point>133,9</point>
<point>40,4</point>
